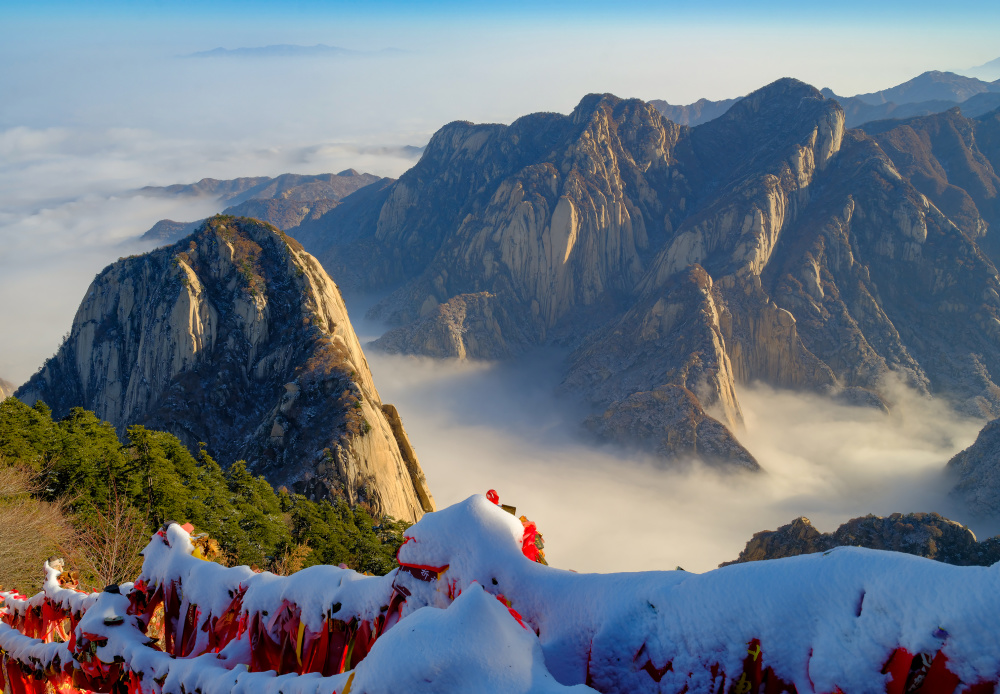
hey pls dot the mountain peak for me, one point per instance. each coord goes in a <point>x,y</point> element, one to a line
<point>235,336</point>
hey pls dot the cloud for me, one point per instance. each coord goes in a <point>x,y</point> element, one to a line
<point>477,426</point>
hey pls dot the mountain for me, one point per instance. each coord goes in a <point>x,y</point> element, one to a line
<point>943,156</point>
<point>931,92</point>
<point>6,389</point>
<point>167,231</point>
<point>236,339</point>
<point>860,114</point>
<point>987,71</point>
<point>931,86</point>
<point>697,113</point>
<point>977,472</point>
<point>678,263</point>
<point>923,534</point>
<point>284,201</point>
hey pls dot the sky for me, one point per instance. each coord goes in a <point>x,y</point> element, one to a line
<point>98,99</point>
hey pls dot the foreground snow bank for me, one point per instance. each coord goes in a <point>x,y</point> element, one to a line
<point>467,611</point>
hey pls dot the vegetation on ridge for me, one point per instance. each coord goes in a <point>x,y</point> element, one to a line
<point>75,472</point>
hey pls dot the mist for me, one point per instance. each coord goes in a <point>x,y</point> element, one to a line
<point>477,426</point>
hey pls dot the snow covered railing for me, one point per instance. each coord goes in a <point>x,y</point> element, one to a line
<point>481,616</point>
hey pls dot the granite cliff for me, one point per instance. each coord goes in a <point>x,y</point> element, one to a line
<point>236,339</point>
<point>6,388</point>
<point>923,534</point>
<point>679,263</point>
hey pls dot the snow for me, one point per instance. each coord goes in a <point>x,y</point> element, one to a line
<point>475,614</point>
<point>472,645</point>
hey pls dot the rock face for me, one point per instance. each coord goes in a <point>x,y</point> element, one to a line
<point>680,263</point>
<point>923,534</point>
<point>943,156</point>
<point>285,201</point>
<point>977,469</point>
<point>6,389</point>
<point>237,338</point>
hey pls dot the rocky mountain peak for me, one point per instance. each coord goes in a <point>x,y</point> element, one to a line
<point>236,337</point>
<point>6,388</point>
<point>923,534</point>
<point>786,119</point>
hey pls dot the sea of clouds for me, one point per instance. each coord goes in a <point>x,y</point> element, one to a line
<point>478,425</point>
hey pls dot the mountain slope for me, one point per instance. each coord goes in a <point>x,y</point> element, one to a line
<point>237,338</point>
<point>977,472</point>
<point>987,71</point>
<point>284,201</point>
<point>680,263</point>
<point>940,155</point>
<point>6,388</point>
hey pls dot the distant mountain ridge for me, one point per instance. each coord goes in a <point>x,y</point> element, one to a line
<point>697,113</point>
<point>6,388</point>
<point>928,93</point>
<point>933,85</point>
<point>236,339</point>
<point>284,201</point>
<point>988,71</point>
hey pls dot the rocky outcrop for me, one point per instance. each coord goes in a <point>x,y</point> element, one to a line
<point>923,534</point>
<point>977,471</point>
<point>768,244</point>
<point>237,338</point>
<point>468,325</point>
<point>6,389</point>
<point>670,421</point>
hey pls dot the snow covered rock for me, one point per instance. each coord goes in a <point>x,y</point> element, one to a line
<point>467,610</point>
